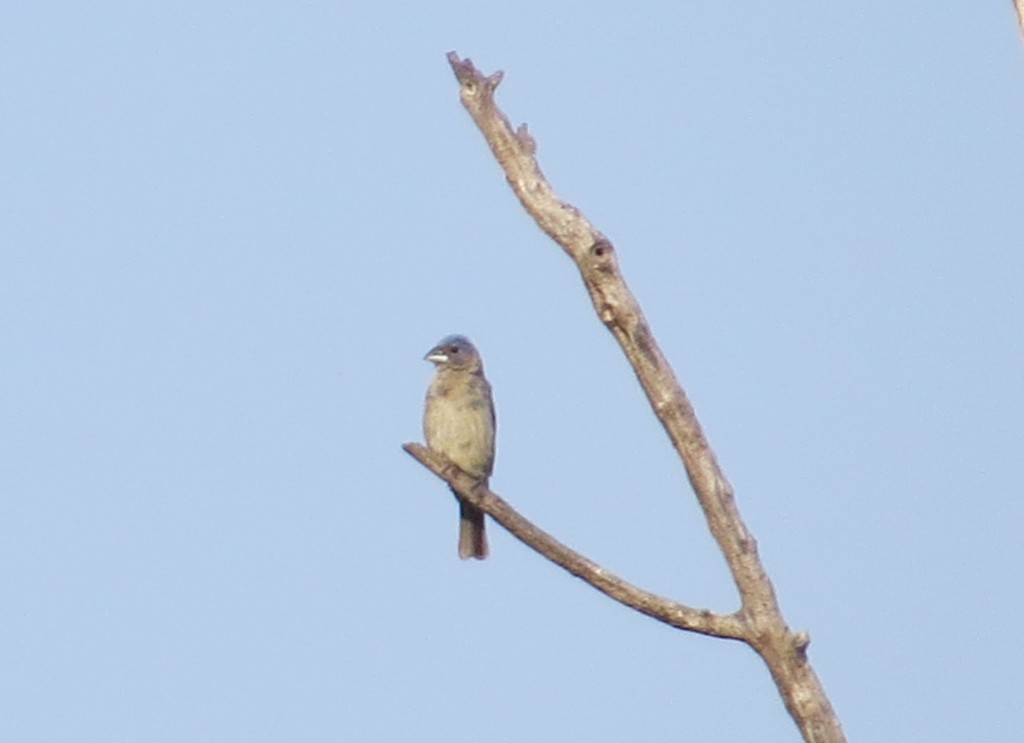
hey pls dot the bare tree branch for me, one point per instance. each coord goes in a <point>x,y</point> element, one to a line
<point>1018,5</point>
<point>670,612</point>
<point>759,622</point>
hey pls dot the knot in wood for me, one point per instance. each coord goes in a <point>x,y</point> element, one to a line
<point>601,248</point>
<point>603,255</point>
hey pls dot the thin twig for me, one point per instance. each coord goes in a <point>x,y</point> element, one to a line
<point>728,626</point>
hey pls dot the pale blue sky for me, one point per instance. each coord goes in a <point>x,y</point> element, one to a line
<point>229,232</point>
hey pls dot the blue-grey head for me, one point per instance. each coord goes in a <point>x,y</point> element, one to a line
<point>455,352</point>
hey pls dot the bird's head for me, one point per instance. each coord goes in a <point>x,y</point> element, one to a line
<point>455,352</point>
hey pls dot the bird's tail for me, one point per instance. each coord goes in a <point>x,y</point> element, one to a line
<point>472,537</point>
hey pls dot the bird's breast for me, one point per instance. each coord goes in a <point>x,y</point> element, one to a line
<point>459,423</point>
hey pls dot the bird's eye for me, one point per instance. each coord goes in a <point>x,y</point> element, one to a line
<point>453,349</point>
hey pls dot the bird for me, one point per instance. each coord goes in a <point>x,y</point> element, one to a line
<point>459,424</point>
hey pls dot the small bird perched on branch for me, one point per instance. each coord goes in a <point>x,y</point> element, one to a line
<point>458,423</point>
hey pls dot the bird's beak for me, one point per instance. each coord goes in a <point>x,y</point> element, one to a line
<point>436,356</point>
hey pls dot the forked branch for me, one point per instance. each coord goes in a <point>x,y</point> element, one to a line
<point>759,621</point>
